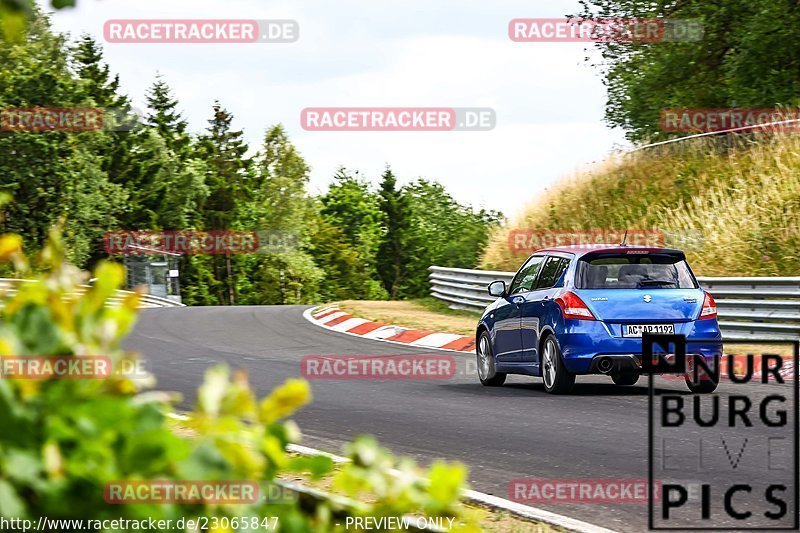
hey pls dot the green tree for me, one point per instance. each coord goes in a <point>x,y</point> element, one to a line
<point>178,171</point>
<point>165,117</point>
<point>355,209</point>
<point>151,161</point>
<point>746,57</point>
<point>55,173</point>
<point>442,232</point>
<point>347,273</point>
<point>394,252</point>
<point>223,151</point>
<point>281,184</point>
<point>281,208</point>
<point>96,81</point>
<point>291,277</point>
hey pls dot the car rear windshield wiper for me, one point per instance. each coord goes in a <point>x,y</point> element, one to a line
<point>656,282</point>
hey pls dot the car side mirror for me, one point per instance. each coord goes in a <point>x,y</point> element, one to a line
<point>497,288</point>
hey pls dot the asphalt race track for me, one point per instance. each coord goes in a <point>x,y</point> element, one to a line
<point>516,431</point>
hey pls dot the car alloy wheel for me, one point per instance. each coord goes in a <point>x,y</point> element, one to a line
<point>487,372</point>
<point>549,372</point>
<point>557,380</point>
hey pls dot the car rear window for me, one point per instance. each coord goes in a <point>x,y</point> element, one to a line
<point>639,271</point>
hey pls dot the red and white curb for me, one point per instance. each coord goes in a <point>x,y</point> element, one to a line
<point>487,500</point>
<point>331,317</point>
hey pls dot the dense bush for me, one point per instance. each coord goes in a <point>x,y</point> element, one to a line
<point>63,440</point>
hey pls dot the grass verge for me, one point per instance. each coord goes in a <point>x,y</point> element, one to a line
<point>424,313</point>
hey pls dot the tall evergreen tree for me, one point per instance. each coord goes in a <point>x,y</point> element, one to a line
<point>393,251</point>
<point>165,117</point>
<point>180,180</point>
<point>97,82</point>
<point>227,177</point>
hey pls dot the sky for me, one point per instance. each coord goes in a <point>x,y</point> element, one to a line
<point>548,100</point>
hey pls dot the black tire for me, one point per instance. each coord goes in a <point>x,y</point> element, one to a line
<point>624,379</point>
<point>487,371</point>
<point>556,378</point>
<point>704,386</point>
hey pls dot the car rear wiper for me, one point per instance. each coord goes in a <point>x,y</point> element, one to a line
<point>655,282</point>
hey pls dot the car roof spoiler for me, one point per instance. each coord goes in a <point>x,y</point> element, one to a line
<point>625,251</point>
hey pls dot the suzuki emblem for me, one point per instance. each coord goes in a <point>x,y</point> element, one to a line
<point>648,298</point>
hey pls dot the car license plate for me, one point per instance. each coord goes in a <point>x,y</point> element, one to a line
<point>636,330</point>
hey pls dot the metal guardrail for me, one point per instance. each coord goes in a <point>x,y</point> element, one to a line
<point>8,286</point>
<point>749,308</point>
<point>743,129</point>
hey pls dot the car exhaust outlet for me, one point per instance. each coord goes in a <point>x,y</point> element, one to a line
<point>604,365</point>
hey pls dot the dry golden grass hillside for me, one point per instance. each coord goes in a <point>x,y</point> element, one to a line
<point>735,210</point>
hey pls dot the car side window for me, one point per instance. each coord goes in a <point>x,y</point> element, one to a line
<point>525,278</point>
<point>552,271</point>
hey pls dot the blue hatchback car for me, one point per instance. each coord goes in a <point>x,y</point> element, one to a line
<point>582,310</point>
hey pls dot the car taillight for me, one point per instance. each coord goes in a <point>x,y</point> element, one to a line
<point>709,308</point>
<point>573,307</point>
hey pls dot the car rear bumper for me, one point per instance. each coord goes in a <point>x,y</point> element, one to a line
<point>585,344</point>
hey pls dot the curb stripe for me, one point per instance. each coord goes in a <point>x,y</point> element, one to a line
<point>333,318</point>
<point>325,312</point>
<point>409,336</point>
<point>338,320</point>
<point>464,344</point>
<point>384,333</point>
<point>366,328</point>
<point>349,324</point>
<point>436,340</point>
